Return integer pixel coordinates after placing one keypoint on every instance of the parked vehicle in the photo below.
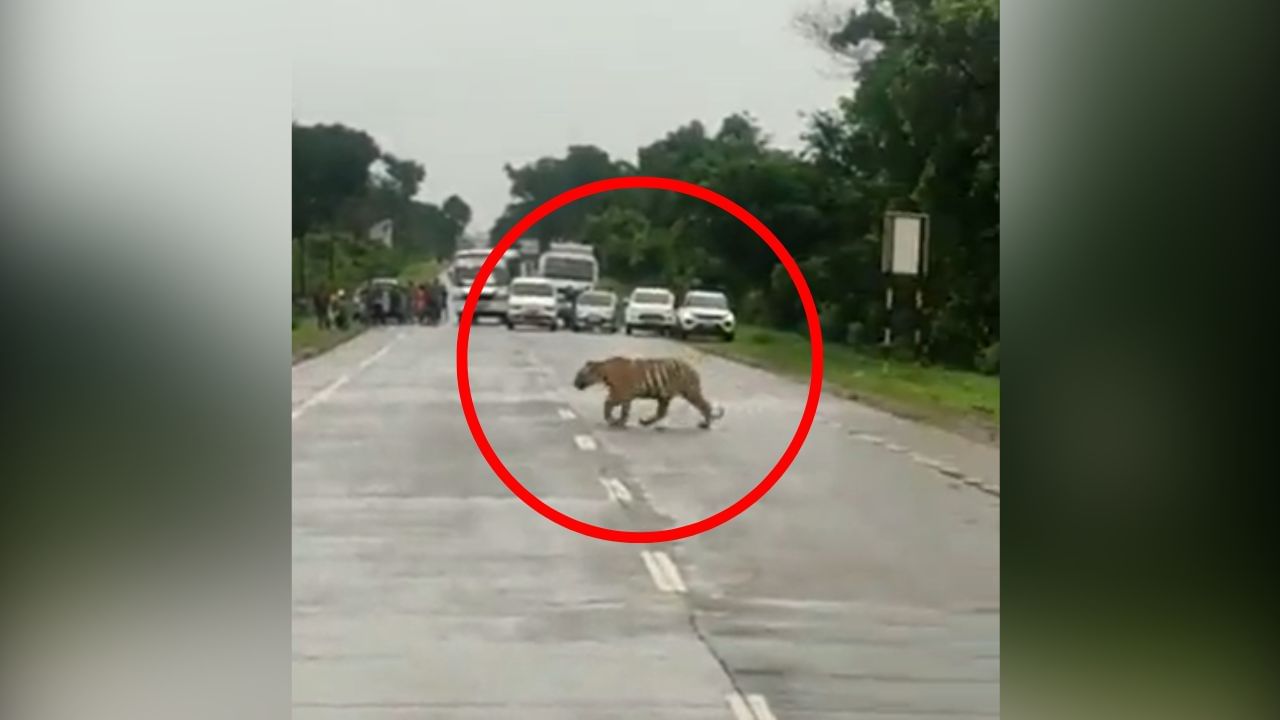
(532, 301)
(705, 312)
(386, 300)
(650, 308)
(595, 309)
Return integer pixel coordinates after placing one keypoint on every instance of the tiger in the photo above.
(660, 379)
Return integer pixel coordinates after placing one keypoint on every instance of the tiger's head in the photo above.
(589, 375)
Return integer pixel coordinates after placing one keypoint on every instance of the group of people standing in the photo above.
(381, 304)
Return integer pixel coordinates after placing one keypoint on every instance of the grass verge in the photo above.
(964, 402)
(310, 340)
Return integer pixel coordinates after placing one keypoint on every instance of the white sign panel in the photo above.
(382, 232)
(528, 246)
(904, 244)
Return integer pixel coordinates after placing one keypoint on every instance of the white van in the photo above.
(463, 271)
(573, 269)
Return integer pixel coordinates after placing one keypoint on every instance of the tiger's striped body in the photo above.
(660, 379)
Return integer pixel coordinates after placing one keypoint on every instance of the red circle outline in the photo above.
(815, 354)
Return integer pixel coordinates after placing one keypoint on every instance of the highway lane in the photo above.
(864, 585)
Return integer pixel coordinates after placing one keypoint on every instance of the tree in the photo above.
(457, 210)
(402, 177)
(543, 179)
(343, 183)
(922, 132)
(330, 166)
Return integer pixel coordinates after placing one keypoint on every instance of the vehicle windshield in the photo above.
(595, 299)
(717, 302)
(569, 268)
(528, 289)
(464, 274)
(652, 297)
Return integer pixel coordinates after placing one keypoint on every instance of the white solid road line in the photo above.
(739, 707)
(585, 442)
(319, 397)
(760, 707)
(566, 414)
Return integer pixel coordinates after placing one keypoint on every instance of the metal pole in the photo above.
(888, 311)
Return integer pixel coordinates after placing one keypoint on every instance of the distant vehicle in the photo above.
(705, 311)
(595, 309)
(462, 273)
(532, 301)
(572, 268)
(389, 301)
(651, 309)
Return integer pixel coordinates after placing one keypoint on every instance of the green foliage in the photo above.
(539, 181)
(988, 361)
(343, 184)
(919, 132)
(330, 165)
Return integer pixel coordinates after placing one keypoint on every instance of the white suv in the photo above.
(704, 311)
(651, 309)
(531, 301)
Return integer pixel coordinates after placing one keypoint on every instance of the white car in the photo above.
(651, 309)
(531, 301)
(595, 309)
(704, 311)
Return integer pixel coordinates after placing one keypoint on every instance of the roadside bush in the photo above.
(988, 360)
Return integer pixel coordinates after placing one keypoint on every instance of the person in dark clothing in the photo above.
(320, 304)
(440, 298)
(397, 304)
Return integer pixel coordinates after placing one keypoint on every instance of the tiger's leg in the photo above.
(661, 412)
(608, 411)
(626, 411)
(695, 398)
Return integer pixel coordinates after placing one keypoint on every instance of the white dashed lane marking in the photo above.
(319, 397)
(929, 462)
(566, 414)
(584, 442)
(760, 707)
(616, 490)
(328, 390)
(663, 571)
(739, 707)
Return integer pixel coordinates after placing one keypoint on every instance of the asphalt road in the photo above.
(865, 585)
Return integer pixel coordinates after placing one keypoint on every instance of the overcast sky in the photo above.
(464, 86)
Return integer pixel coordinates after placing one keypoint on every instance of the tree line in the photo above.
(918, 132)
(344, 184)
